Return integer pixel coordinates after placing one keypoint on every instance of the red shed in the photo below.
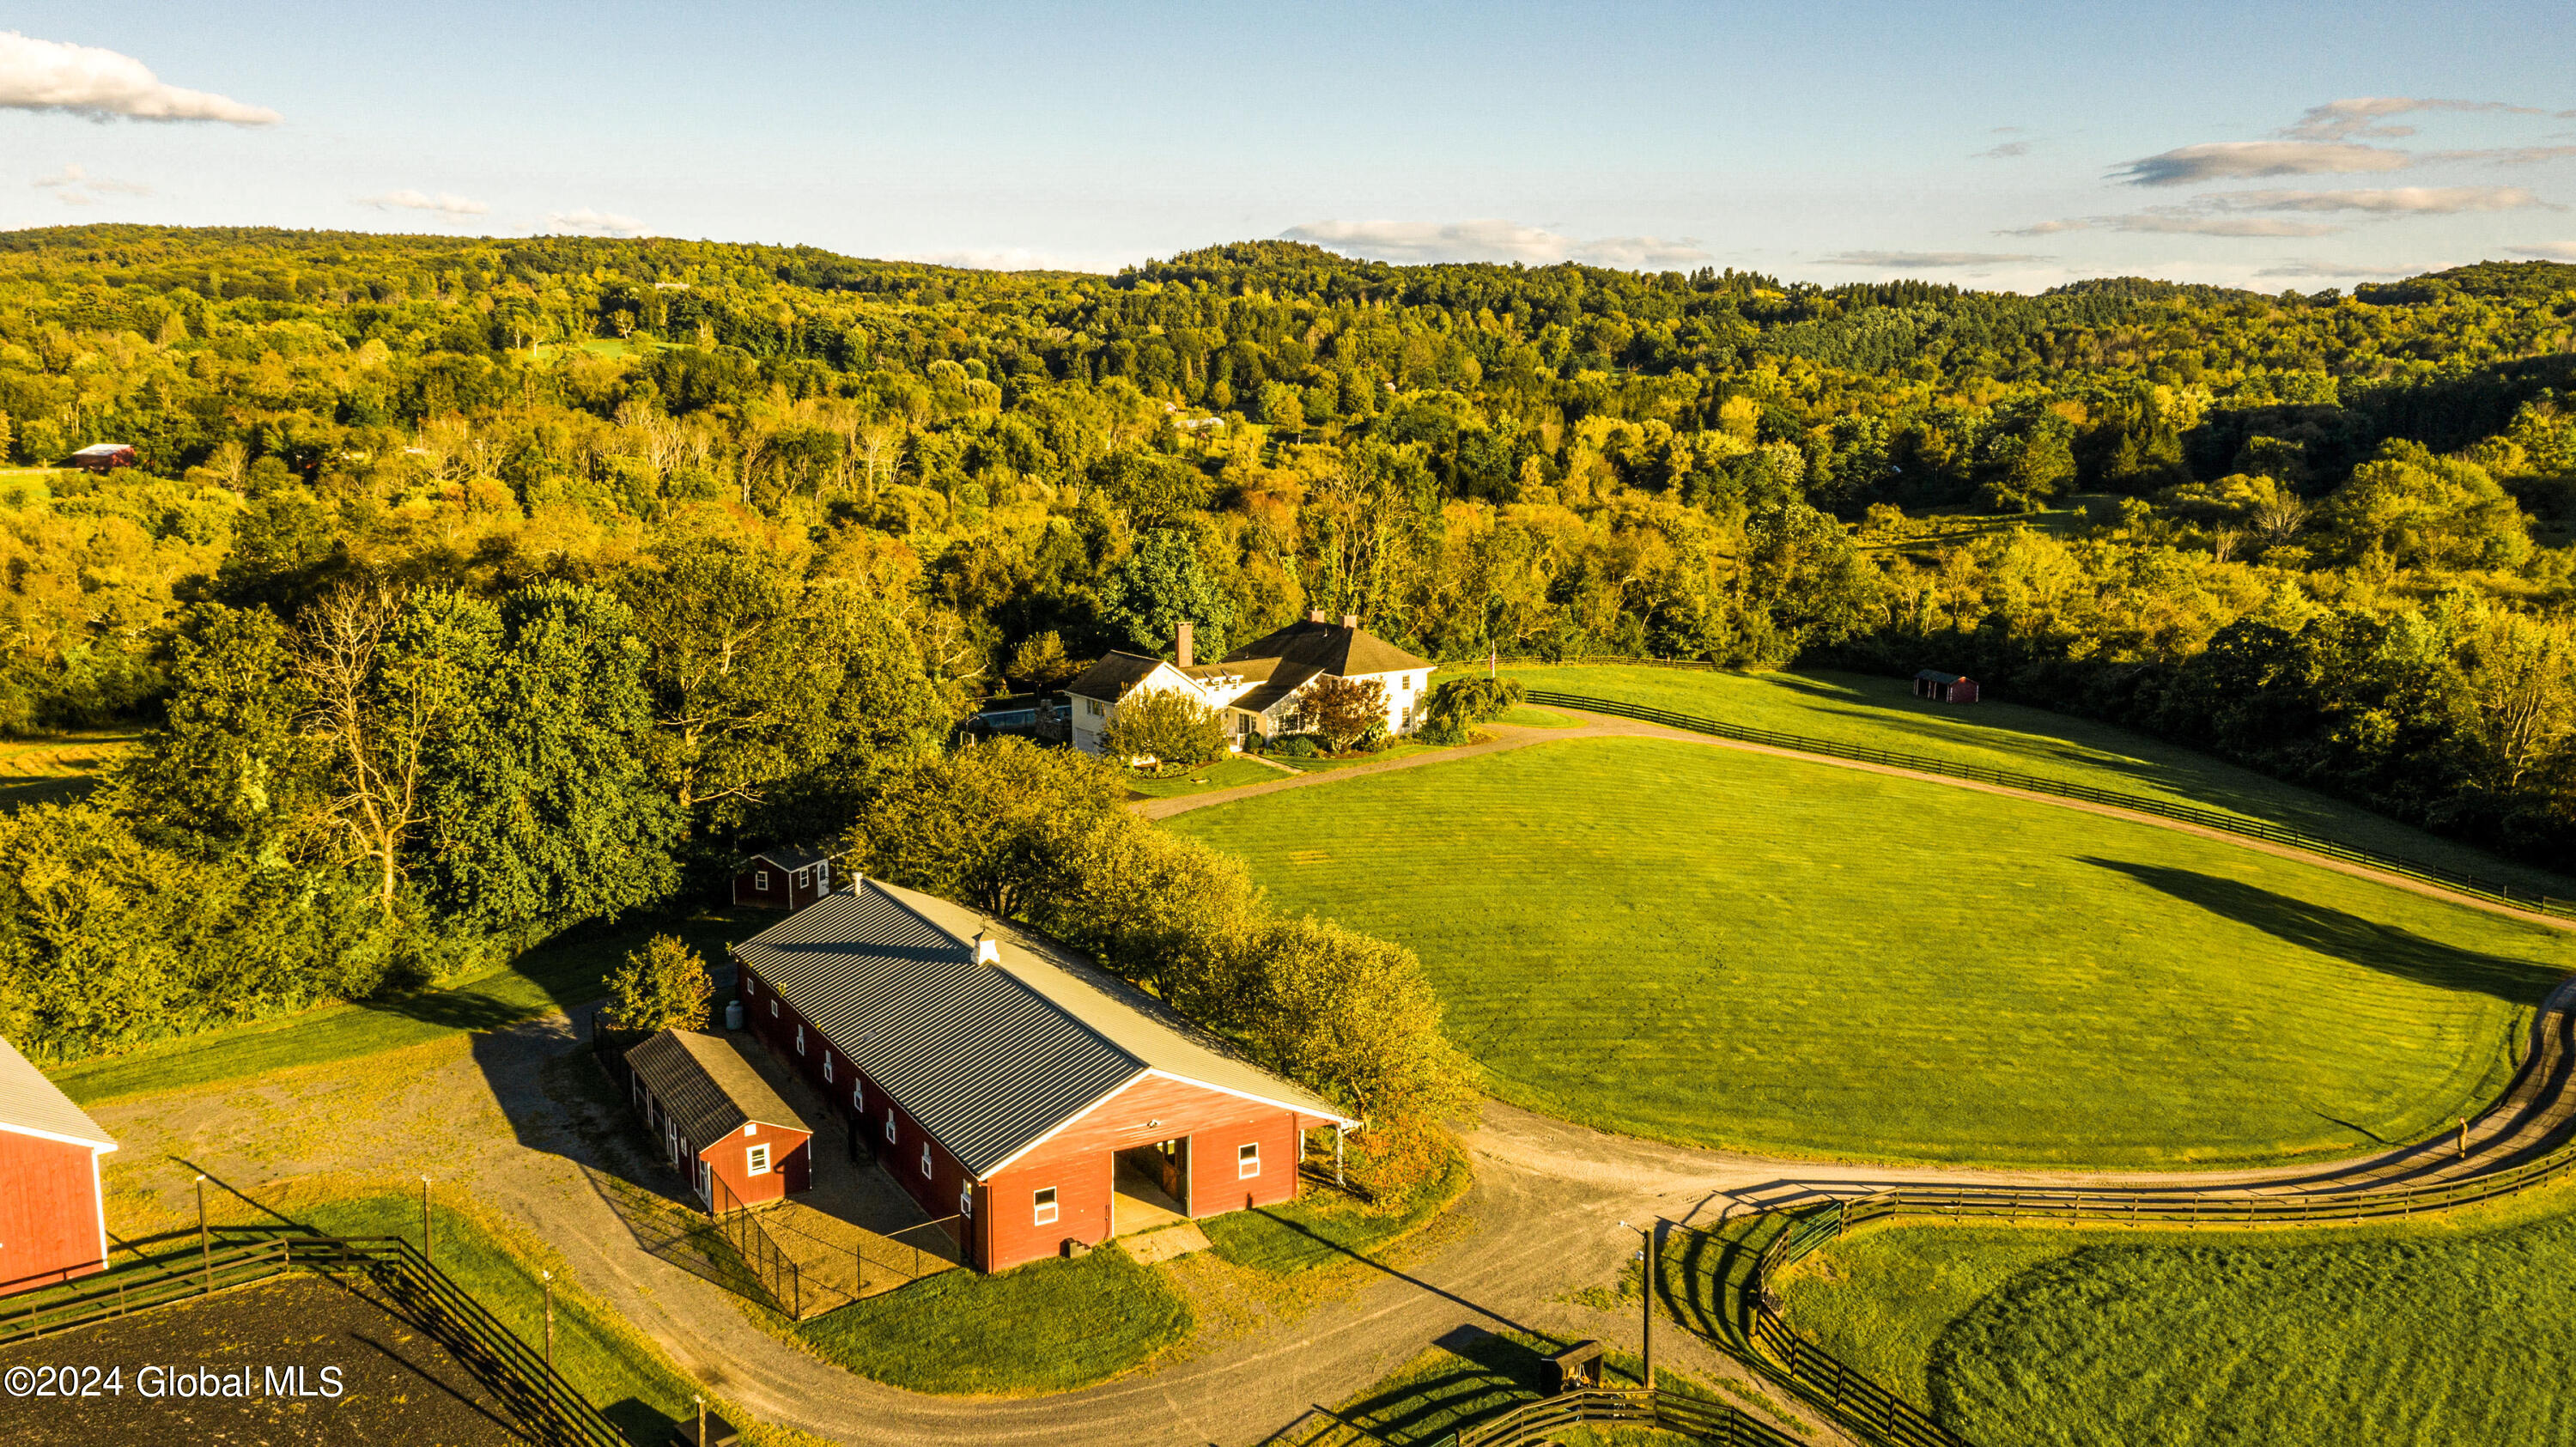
(783, 879)
(53, 1217)
(105, 456)
(1944, 687)
(1003, 1078)
(711, 1109)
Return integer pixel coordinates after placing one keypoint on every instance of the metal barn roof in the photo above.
(32, 1105)
(791, 858)
(705, 1084)
(989, 1059)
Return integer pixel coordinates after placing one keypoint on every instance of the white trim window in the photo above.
(859, 1097)
(966, 1199)
(827, 1067)
(889, 1125)
(804, 877)
(800, 1039)
(760, 880)
(1044, 1203)
(1247, 1160)
(750, 983)
(755, 1161)
(925, 1160)
(773, 1009)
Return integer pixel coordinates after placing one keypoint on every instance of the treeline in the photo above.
(605, 559)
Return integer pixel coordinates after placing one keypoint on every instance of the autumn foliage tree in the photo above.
(1343, 710)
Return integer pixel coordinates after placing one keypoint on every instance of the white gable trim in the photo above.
(1287, 1105)
(1088, 1111)
(46, 1135)
(1051, 1132)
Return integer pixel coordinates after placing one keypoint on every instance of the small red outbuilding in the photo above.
(783, 879)
(105, 456)
(53, 1219)
(739, 1143)
(1944, 687)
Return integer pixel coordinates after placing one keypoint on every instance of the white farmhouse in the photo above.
(1257, 689)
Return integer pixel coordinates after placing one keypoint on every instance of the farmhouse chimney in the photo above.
(1314, 615)
(988, 951)
(1182, 644)
(1350, 620)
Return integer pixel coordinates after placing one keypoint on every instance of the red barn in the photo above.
(783, 879)
(1944, 687)
(740, 1144)
(53, 1218)
(1002, 1078)
(105, 456)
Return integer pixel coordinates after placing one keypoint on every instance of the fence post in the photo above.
(205, 1245)
(428, 1246)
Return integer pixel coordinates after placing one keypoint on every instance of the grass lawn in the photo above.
(1344, 761)
(2420, 1334)
(1724, 948)
(559, 976)
(57, 770)
(1883, 713)
(1049, 1326)
(1231, 772)
(1536, 718)
(1324, 1228)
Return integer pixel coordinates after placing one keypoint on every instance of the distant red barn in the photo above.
(783, 879)
(1003, 1079)
(105, 456)
(53, 1219)
(1944, 687)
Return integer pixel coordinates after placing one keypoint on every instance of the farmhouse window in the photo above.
(889, 1124)
(1046, 1207)
(925, 1160)
(755, 1161)
(1247, 1162)
(760, 880)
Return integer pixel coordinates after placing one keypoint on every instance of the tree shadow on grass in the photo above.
(2344, 936)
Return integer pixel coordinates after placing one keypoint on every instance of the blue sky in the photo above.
(1999, 146)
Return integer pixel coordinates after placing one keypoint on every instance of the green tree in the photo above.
(663, 985)
(1167, 726)
(1040, 663)
(231, 769)
(1164, 583)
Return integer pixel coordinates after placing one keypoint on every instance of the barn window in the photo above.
(760, 879)
(750, 983)
(1046, 1207)
(1247, 1162)
(966, 1199)
(773, 1009)
(889, 1123)
(827, 1067)
(925, 1160)
(755, 1162)
(859, 1097)
(800, 1039)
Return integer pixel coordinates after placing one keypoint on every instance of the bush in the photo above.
(662, 986)
(1466, 702)
(1295, 746)
(1168, 727)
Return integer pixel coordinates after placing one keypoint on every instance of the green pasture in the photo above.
(1883, 713)
(1049, 1326)
(2418, 1334)
(559, 976)
(58, 770)
(1726, 948)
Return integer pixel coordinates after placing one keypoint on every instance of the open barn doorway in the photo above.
(1150, 1186)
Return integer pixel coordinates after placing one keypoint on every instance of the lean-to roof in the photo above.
(706, 1085)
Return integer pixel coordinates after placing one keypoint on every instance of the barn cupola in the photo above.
(988, 950)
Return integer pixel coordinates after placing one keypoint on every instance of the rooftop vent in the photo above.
(988, 950)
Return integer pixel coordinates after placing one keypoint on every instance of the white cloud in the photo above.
(2334, 268)
(49, 75)
(2179, 221)
(1927, 260)
(75, 186)
(442, 203)
(1492, 240)
(2504, 155)
(2547, 251)
(2391, 201)
(1005, 258)
(2235, 160)
(2366, 116)
(2004, 152)
(586, 222)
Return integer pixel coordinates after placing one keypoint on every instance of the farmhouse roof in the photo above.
(1282, 686)
(989, 1059)
(32, 1105)
(706, 1084)
(1934, 675)
(104, 449)
(1330, 648)
(792, 857)
(1109, 679)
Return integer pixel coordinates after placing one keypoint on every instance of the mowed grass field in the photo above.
(1883, 713)
(58, 770)
(1720, 947)
(2426, 1334)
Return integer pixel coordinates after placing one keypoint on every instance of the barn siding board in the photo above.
(49, 1212)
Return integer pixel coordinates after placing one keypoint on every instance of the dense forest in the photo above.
(477, 587)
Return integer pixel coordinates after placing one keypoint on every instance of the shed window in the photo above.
(1046, 1207)
(755, 1162)
(889, 1123)
(804, 877)
(760, 879)
(750, 983)
(773, 1009)
(1247, 1162)
(925, 1160)
(823, 874)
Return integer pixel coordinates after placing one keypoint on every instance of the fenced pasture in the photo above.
(1728, 948)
